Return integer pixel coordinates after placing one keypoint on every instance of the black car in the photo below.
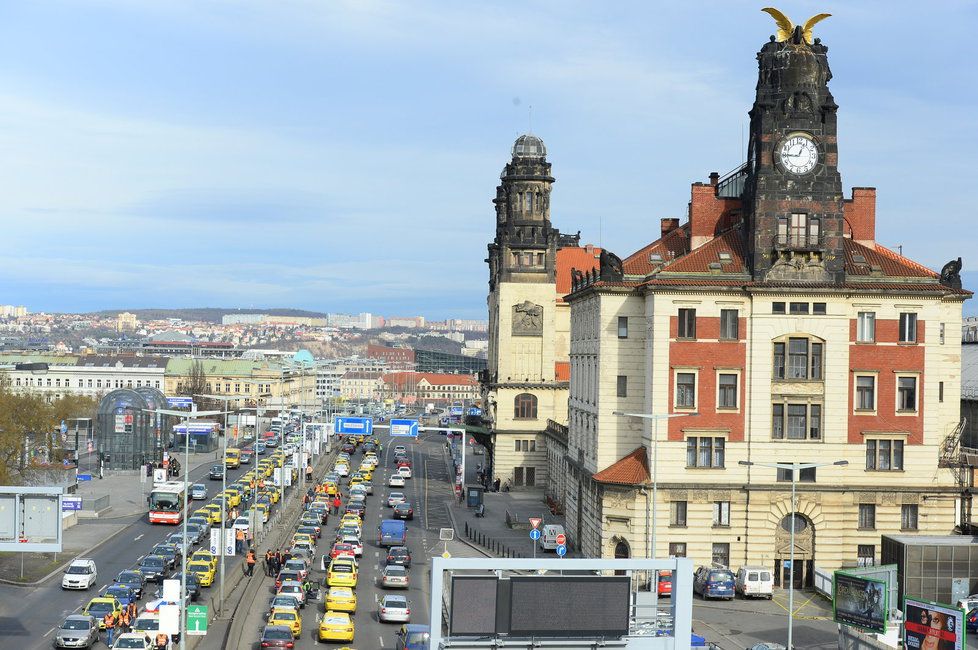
(216, 473)
(357, 508)
(170, 552)
(132, 579)
(399, 555)
(193, 585)
(153, 567)
(348, 449)
(403, 510)
(246, 457)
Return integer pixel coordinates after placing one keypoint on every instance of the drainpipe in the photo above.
(648, 405)
(748, 430)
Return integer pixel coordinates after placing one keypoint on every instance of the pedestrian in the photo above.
(278, 561)
(123, 621)
(133, 611)
(161, 641)
(109, 628)
(251, 538)
(239, 540)
(269, 558)
(250, 562)
(336, 504)
(286, 556)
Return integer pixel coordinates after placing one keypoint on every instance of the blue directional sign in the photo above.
(456, 410)
(535, 534)
(353, 426)
(404, 428)
(562, 550)
(180, 402)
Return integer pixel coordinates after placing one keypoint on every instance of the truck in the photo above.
(392, 532)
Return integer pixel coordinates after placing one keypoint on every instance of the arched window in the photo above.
(622, 552)
(525, 407)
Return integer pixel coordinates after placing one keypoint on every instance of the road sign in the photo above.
(196, 619)
(535, 522)
(404, 428)
(535, 534)
(446, 555)
(69, 504)
(353, 425)
(446, 534)
(561, 550)
(561, 539)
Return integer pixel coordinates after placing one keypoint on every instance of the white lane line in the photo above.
(381, 641)
(49, 632)
(138, 538)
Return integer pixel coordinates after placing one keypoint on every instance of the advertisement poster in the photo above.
(930, 626)
(860, 602)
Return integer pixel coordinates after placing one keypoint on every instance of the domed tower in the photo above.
(793, 193)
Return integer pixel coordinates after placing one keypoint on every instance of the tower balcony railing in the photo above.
(799, 241)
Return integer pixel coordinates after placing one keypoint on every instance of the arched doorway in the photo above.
(622, 552)
(803, 571)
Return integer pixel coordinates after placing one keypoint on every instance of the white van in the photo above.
(754, 582)
(548, 536)
(80, 574)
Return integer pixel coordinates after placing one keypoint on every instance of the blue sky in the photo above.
(341, 155)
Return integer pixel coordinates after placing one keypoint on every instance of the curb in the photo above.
(460, 536)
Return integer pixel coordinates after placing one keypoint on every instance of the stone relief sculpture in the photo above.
(527, 319)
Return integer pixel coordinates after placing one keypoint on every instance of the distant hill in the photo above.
(208, 314)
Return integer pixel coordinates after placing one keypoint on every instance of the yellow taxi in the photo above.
(332, 489)
(204, 571)
(273, 495)
(232, 496)
(341, 599)
(263, 509)
(203, 555)
(336, 626)
(303, 537)
(351, 519)
(342, 573)
(366, 474)
(368, 464)
(99, 607)
(288, 617)
(356, 480)
(208, 515)
(215, 510)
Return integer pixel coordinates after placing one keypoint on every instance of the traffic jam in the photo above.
(124, 612)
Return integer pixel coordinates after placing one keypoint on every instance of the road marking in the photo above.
(49, 632)
(381, 641)
(138, 538)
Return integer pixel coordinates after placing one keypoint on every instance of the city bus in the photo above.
(167, 503)
(232, 458)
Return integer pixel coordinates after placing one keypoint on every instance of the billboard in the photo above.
(860, 602)
(569, 606)
(930, 626)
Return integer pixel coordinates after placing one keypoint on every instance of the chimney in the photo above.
(714, 179)
(705, 211)
(589, 248)
(668, 225)
(860, 212)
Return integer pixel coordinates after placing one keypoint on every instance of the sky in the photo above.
(342, 155)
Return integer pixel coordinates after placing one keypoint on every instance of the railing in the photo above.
(731, 185)
(489, 543)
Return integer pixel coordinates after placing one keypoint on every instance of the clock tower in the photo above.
(793, 193)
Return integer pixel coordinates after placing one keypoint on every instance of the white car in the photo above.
(241, 523)
(342, 470)
(400, 448)
(394, 498)
(394, 609)
(969, 603)
(147, 624)
(396, 480)
(404, 471)
(133, 640)
(80, 574)
(355, 542)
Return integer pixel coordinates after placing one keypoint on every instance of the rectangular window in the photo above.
(677, 513)
(622, 386)
(721, 553)
(519, 445)
(805, 475)
(777, 307)
(866, 555)
(517, 476)
(685, 389)
(623, 327)
(815, 421)
(866, 327)
(777, 421)
(779, 360)
(884, 455)
(531, 476)
(908, 327)
(867, 516)
(705, 451)
(908, 517)
(721, 513)
(677, 549)
(797, 422)
(940, 333)
(940, 391)
(532, 445)
(797, 358)
(818, 308)
(816, 366)
(907, 394)
(866, 393)
(687, 323)
(729, 324)
(728, 391)
(799, 308)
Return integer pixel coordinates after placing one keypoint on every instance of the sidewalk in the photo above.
(492, 532)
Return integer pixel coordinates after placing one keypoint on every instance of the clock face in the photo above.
(798, 154)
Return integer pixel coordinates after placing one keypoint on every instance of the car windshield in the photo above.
(395, 571)
(395, 601)
(152, 562)
(164, 501)
(131, 642)
(146, 624)
(78, 570)
(284, 601)
(277, 633)
(100, 609)
(342, 568)
(721, 576)
(75, 624)
(128, 576)
(334, 620)
(285, 616)
(117, 591)
(417, 637)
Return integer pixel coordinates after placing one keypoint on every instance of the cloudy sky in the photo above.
(342, 155)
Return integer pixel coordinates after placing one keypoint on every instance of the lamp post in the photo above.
(187, 418)
(654, 451)
(794, 468)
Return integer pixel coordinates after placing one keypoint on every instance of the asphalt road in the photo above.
(427, 491)
(31, 615)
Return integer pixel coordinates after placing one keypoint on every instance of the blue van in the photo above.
(392, 532)
(714, 583)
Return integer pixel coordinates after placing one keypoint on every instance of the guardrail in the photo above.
(490, 543)
(96, 503)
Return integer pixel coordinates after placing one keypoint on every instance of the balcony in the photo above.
(799, 241)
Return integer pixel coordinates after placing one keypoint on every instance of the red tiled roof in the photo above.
(673, 245)
(891, 264)
(433, 378)
(562, 370)
(633, 469)
(700, 259)
(574, 257)
(852, 286)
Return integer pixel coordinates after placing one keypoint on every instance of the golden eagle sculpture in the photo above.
(786, 28)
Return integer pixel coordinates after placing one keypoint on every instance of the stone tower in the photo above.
(793, 193)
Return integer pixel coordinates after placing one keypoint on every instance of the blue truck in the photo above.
(392, 532)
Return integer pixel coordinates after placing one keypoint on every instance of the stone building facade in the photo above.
(772, 328)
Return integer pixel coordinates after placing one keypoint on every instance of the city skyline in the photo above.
(208, 154)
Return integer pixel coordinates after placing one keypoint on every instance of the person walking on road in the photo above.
(161, 641)
(336, 504)
(109, 628)
(250, 562)
(239, 540)
(269, 558)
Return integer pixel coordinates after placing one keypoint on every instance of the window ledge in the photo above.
(864, 411)
(886, 471)
(908, 343)
(866, 529)
(677, 526)
(728, 409)
(910, 530)
(858, 342)
(685, 338)
(703, 467)
(721, 525)
(906, 412)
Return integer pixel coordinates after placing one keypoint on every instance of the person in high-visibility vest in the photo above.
(239, 538)
(109, 627)
(123, 621)
(250, 561)
(161, 641)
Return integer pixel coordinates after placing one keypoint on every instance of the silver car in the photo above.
(394, 609)
(77, 631)
(394, 576)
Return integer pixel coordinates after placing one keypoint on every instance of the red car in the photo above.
(404, 462)
(286, 574)
(665, 583)
(341, 549)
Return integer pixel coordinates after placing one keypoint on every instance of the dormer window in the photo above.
(725, 256)
(655, 258)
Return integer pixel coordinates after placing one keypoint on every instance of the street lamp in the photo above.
(794, 468)
(654, 451)
(187, 418)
